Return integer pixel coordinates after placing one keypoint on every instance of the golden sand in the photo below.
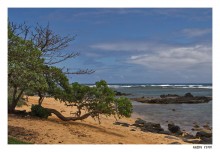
(88, 131)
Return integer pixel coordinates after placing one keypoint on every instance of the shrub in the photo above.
(39, 111)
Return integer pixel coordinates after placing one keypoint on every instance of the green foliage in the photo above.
(21, 102)
(98, 100)
(12, 140)
(56, 81)
(25, 67)
(29, 73)
(39, 111)
(124, 106)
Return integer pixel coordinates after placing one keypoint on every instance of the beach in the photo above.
(55, 131)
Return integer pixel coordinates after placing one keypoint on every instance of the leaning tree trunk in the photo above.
(60, 116)
(41, 98)
(11, 108)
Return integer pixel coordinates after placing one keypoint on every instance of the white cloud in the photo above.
(129, 46)
(196, 32)
(194, 58)
(175, 58)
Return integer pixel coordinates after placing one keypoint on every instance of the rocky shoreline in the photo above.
(202, 136)
(174, 99)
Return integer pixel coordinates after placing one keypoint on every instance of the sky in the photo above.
(132, 45)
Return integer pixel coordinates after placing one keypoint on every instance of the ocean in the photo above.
(184, 115)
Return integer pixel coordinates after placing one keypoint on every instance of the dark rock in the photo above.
(165, 132)
(169, 96)
(205, 140)
(125, 125)
(140, 121)
(173, 128)
(152, 127)
(188, 95)
(173, 109)
(174, 99)
(207, 127)
(196, 126)
(187, 135)
(121, 123)
(175, 143)
(203, 134)
(117, 93)
(117, 123)
(195, 141)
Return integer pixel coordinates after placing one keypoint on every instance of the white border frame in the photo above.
(5, 4)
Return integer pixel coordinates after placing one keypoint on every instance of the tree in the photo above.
(56, 81)
(30, 59)
(24, 68)
(50, 46)
(93, 101)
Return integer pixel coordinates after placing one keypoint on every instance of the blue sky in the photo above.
(141, 45)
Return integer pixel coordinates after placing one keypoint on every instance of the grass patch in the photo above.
(12, 140)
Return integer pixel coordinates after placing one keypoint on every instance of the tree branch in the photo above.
(60, 116)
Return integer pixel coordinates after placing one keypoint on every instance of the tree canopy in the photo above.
(24, 67)
(30, 70)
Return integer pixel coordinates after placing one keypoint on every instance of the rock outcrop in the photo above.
(174, 99)
(148, 126)
(174, 128)
(117, 93)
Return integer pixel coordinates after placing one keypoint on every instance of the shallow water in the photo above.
(184, 115)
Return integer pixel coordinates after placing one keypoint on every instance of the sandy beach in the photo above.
(88, 131)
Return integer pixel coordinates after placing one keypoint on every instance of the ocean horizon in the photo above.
(184, 115)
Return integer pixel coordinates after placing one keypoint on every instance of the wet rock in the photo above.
(148, 126)
(117, 93)
(174, 99)
(207, 127)
(165, 132)
(139, 123)
(203, 134)
(169, 96)
(173, 128)
(205, 140)
(152, 127)
(188, 95)
(196, 126)
(186, 135)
